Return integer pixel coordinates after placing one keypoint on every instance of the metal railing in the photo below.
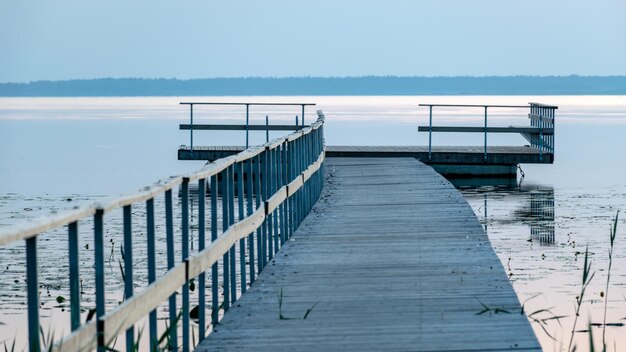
(190, 127)
(266, 192)
(540, 134)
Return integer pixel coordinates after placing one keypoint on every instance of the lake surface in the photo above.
(56, 153)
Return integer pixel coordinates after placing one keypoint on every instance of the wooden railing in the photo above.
(276, 185)
(540, 133)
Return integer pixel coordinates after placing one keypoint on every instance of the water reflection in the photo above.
(542, 216)
(531, 205)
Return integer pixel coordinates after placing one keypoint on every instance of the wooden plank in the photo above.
(33, 228)
(83, 339)
(472, 129)
(391, 258)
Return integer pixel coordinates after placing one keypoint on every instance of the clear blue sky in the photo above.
(51, 40)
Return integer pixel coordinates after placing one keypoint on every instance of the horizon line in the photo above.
(313, 77)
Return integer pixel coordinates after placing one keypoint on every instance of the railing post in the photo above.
(128, 269)
(33, 294)
(74, 275)
(226, 257)
(281, 182)
(169, 236)
(214, 274)
(290, 200)
(249, 211)
(231, 221)
(268, 192)
(294, 198)
(201, 246)
(267, 128)
(430, 133)
(242, 241)
(191, 127)
(264, 228)
(99, 264)
(274, 180)
(553, 143)
(247, 124)
(185, 257)
(302, 115)
(257, 203)
(485, 155)
(298, 173)
(541, 112)
(151, 268)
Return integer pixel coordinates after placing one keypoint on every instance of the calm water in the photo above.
(59, 152)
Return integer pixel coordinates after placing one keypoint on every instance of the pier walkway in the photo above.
(390, 258)
(290, 250)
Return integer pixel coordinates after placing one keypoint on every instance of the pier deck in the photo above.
(443, 154)
(391, 258)
(500, 161)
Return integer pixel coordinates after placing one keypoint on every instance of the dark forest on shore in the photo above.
(292, 86)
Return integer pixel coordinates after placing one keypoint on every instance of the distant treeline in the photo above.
(367, 85)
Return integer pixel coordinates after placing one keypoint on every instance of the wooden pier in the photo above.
(369, 249)
(465, 161)
(391, 258)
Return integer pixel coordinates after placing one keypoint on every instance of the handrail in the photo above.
(247, 105)
(251, 104)
(282, 176)
(541, 116)
(475, 105)
(543, 105)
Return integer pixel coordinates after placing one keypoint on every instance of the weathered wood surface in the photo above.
(391, 258)
(511, 155)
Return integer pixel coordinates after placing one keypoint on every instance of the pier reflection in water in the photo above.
(530, 205)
